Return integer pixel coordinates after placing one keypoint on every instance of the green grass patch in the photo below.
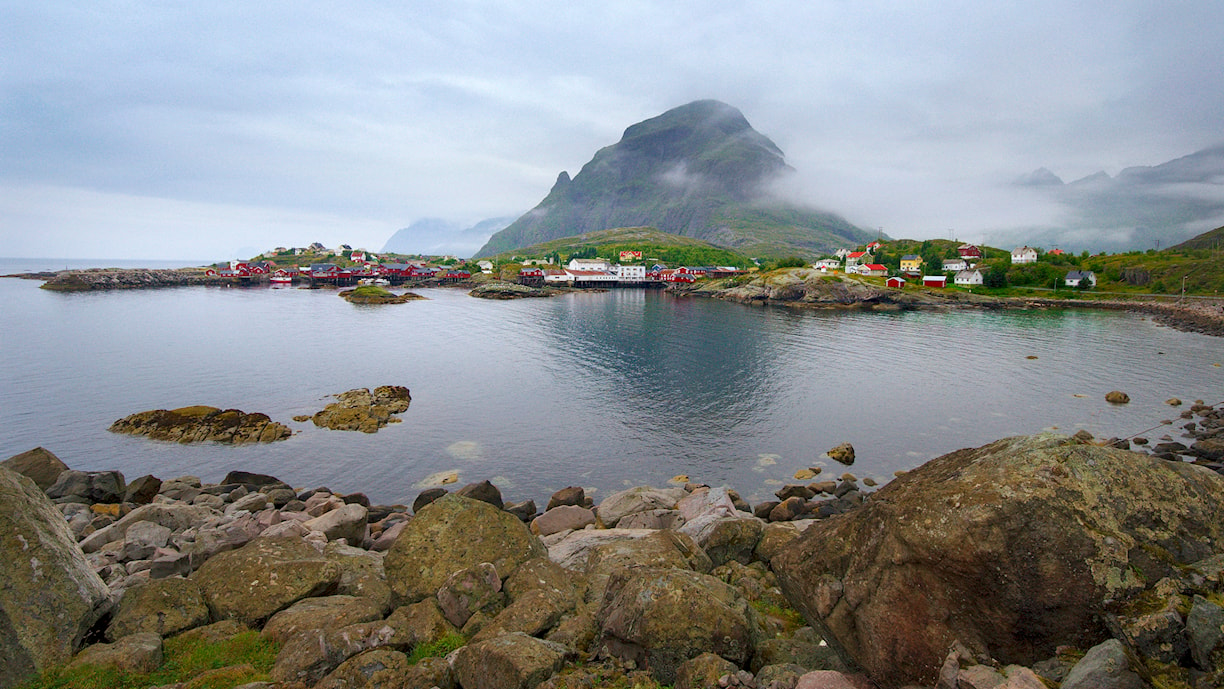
(246, 657)
(440, 648)
(790, 617)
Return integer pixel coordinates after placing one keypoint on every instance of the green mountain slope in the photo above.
(655, 246)
(699, 170)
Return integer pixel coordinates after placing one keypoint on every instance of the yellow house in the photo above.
(911, 263)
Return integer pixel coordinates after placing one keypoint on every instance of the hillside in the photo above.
(1212, 239)
(654, 245)
(699, 170)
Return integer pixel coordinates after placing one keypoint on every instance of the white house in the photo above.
(589, 264)
(631, 273)
(486, 267)
(968, 278)
(1024, 254)
(1076, 277)
(827, 264)
(955, 265)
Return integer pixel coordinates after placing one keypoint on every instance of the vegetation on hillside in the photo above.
(656, 247)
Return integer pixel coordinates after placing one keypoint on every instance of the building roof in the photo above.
(911, 257)
(875, 266)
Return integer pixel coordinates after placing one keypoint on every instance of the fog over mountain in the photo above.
(1141, 207)
(439, 237)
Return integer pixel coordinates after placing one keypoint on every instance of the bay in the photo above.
(602, 390)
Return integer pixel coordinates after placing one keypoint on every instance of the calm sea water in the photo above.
(599, 390)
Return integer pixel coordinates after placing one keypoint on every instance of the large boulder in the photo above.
(200, 424)
(512, 661)
(659, 618)
(90, 487)
(1012, 549)
(163, 606)
(637, 499)
(450, 534)
(264, 577)
(49, 595)
(40, 465)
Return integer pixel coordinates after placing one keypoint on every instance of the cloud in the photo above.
(913, 117)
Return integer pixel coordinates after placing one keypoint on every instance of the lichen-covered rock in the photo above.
(381, 667)
(542, 573)
(347, 522)
(660, 618)
(657, 549)
(90, 487)
(140, 652)
(1013, 549)
(49, 594)
(362, 573)
(361, 410)
(1103, 666)
(471, 590)
(703, 671)
(163, 606)
(638, 499)
(310, 655)
(264, 577)
(313, 614)
(40, 465)
(450, 534)
(534, 614)
(419, 623)
(199, 424)
(512, 661)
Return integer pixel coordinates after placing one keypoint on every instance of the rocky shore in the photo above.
(1031, 562)
(807, 288)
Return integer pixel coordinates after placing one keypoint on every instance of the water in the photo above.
(600, 390)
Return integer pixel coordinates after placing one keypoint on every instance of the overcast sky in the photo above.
(206, 130)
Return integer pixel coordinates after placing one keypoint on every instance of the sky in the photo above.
(176, 130)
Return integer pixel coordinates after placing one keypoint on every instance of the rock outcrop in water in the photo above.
(362, 410)
(200, 424)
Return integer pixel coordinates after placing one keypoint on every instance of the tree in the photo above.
(994, 278)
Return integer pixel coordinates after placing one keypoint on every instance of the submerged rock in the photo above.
(361, 410)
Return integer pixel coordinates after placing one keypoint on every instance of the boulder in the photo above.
(264, 577)
(427, 496)
(659, 618)
(381, 667)
(251, 480)
(362, 573)
(142, 539)
(483, 491)
(722, 531)
(658, 549)
(1205, 633)
(652, 519)
(142, 490)
(471, 590)
(843, 453)
(88, 486)
(135, 653)
(534, 614)
(49, 595)
(703, 671)
(1013, 549)
(162, 606)
(562, 518)
(639, 499)
(39, 465)
(512, 661)
(450, 534)
(544, 574)
(824, 679)
(574, 549)
(419, 623)
(347, 522)
(310, 655)
(1104, 666)
(1117, 397)
(314, 614)
(570, 495)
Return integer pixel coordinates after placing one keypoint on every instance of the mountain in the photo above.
(1141, 208)
(699, 170)
(438, 237)
(1212, 239)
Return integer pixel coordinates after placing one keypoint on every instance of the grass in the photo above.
(243, 658)
(439, 648)
(790, 617)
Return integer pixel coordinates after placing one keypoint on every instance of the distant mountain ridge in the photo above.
(1141, 208)
(439, 237)
(699, 170)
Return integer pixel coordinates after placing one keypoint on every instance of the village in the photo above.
(967, 270)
